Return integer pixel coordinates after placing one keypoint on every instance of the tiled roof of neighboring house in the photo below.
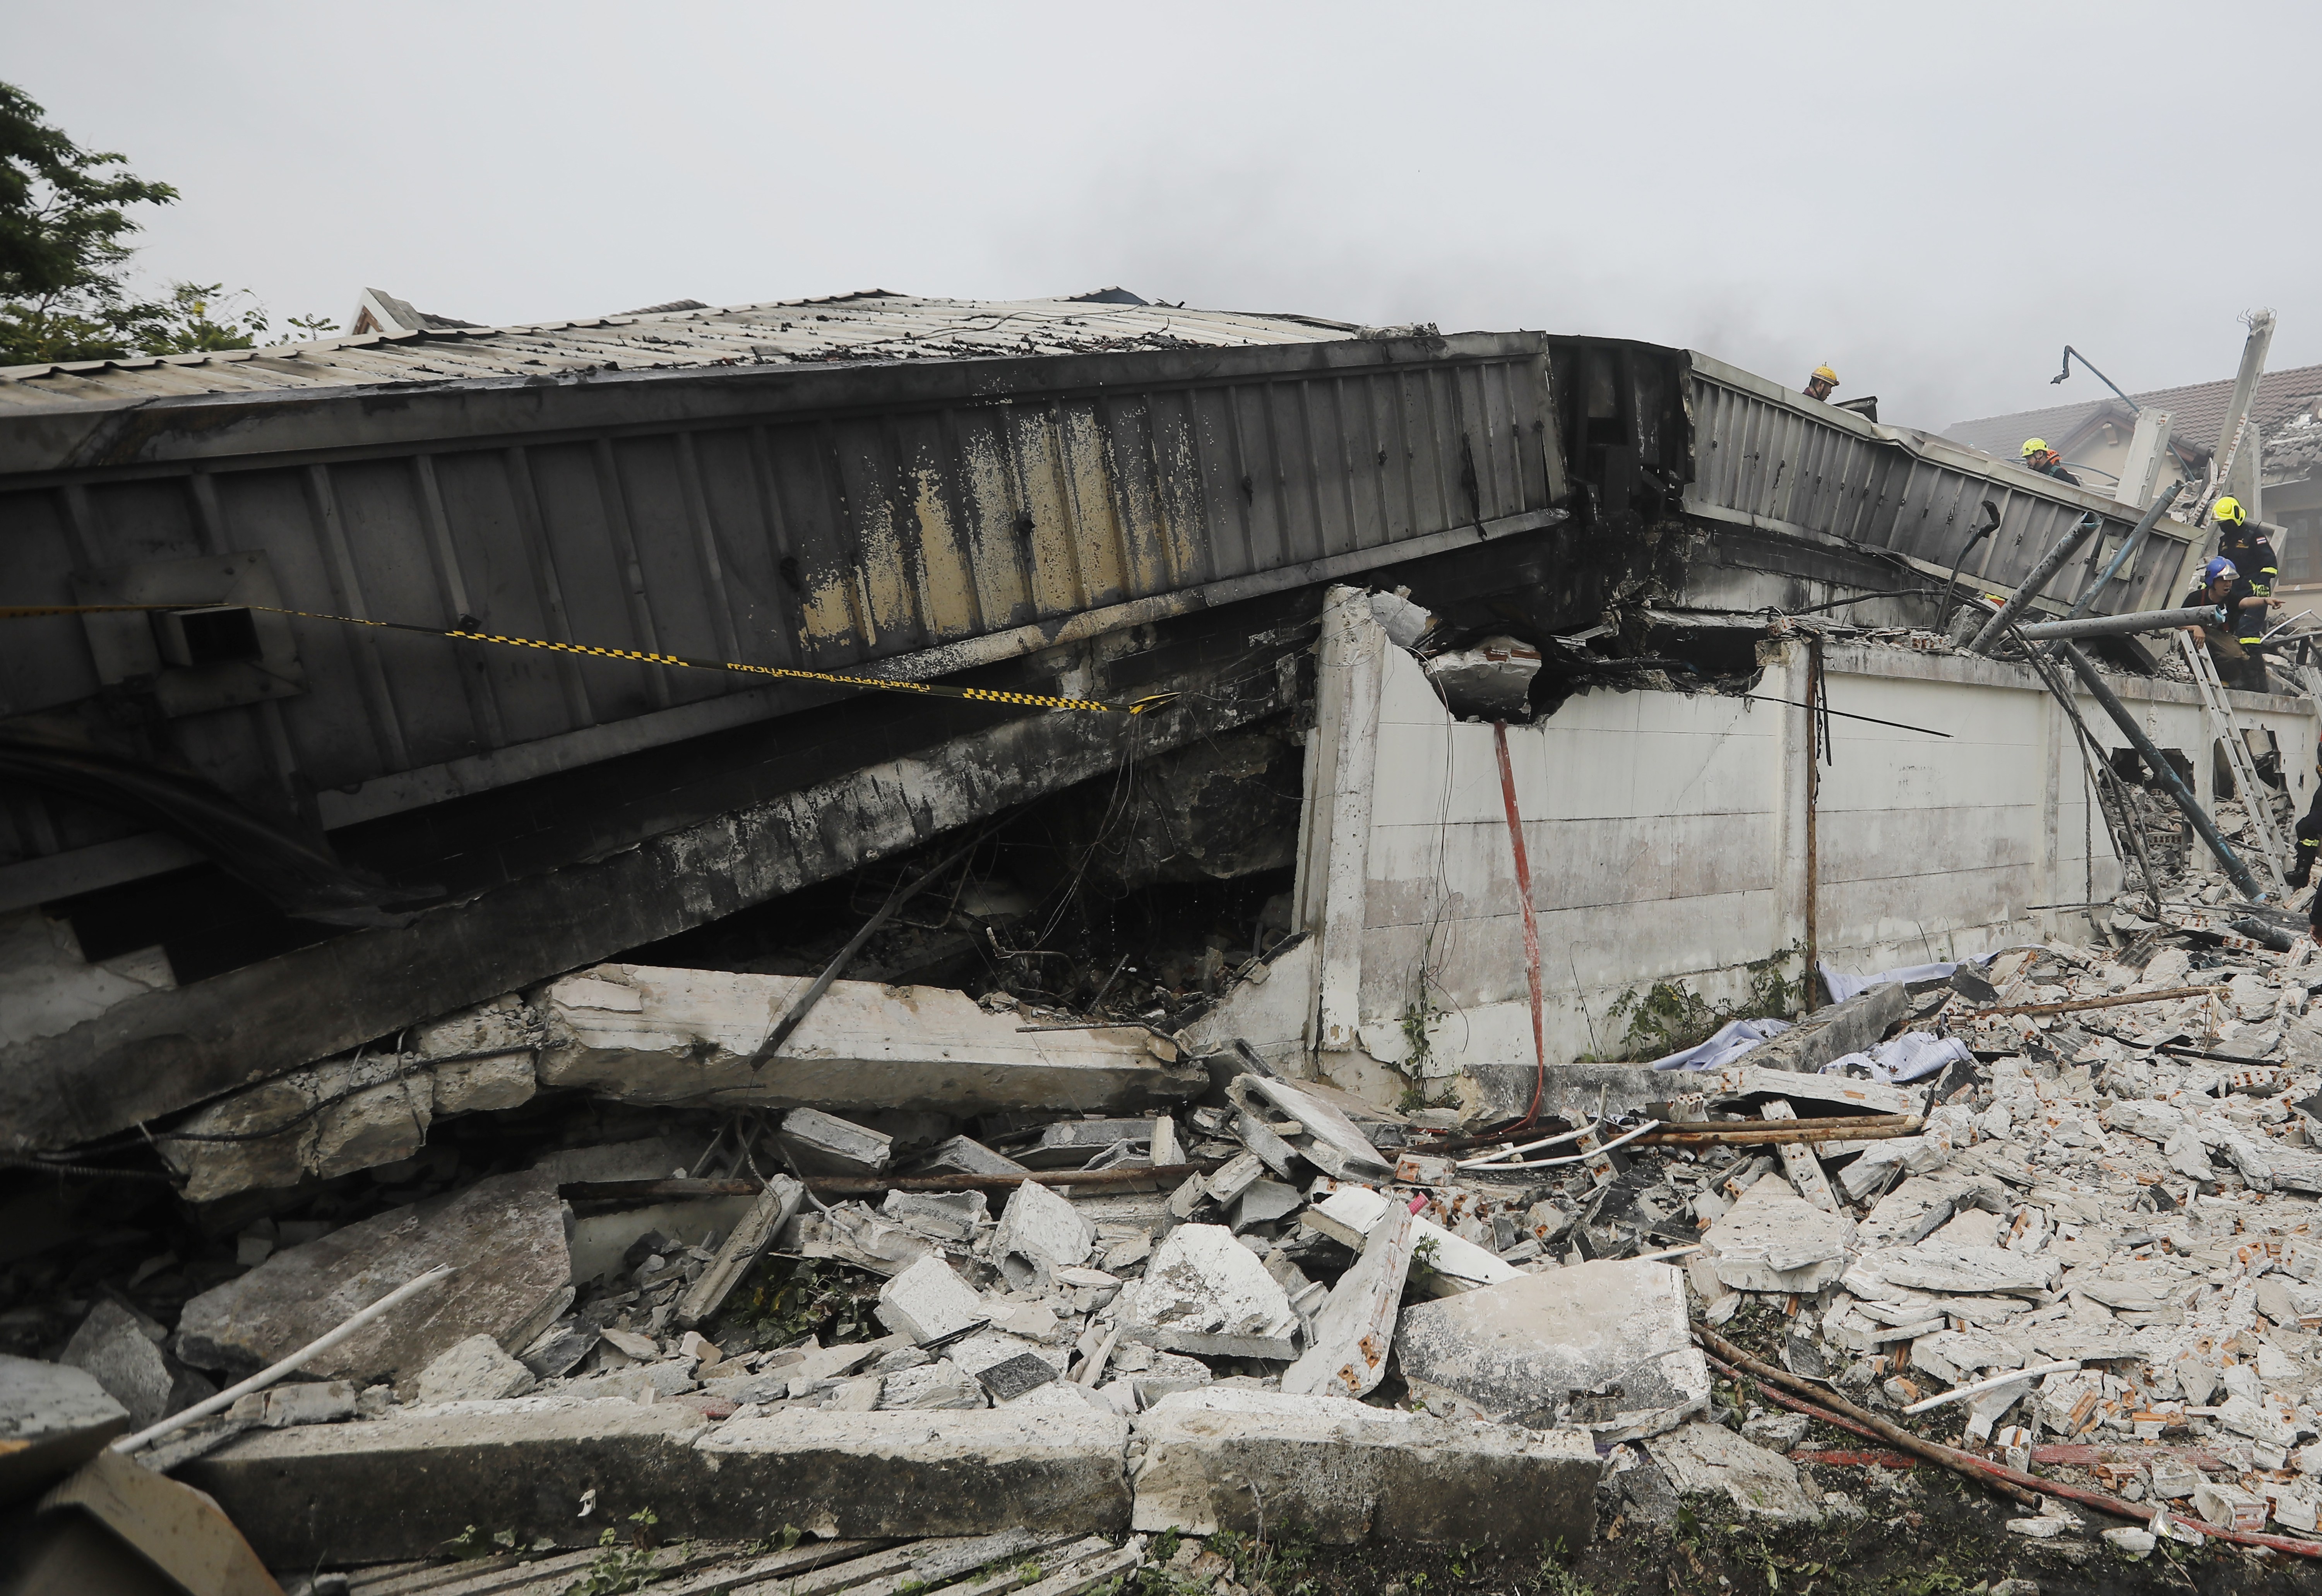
(869, 326)
(2197, 412)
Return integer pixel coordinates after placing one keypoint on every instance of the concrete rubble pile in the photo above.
(2103, 1233)
(905, 1273)
(914, 1323)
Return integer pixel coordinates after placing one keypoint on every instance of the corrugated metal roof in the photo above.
(870, 327)
(2197, 412)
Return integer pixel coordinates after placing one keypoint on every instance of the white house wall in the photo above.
(1665, 834)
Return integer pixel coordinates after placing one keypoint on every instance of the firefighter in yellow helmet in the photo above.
(2040, 458)
(1821, 384)
(2252, 553)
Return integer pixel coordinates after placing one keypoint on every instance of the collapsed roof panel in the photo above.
(930, 518)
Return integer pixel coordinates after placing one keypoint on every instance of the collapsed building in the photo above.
(655, 771)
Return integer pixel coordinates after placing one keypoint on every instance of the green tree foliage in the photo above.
(65, 246)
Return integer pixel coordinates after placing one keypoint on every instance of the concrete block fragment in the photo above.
(383, 1124)
(1203, 1291)
(965, 1155)
(1169, 1371)
(1351, 1335)
(1265, 1202)
(772, 1209)
(1881, 1163)
(1326, 1126)
(53, 1418)
(644, 1034)
(941, 1384)
(505, 1236)
(825, 1145)
(1603, 1346)
(1164, 1146)
(470, 1086)
(1444, 1264)
(1230, 1179)
(1070, 1143)
(928, 1302)
(1040, 1232)
(982, 1349)
(112, 1346)
(1188, 1198)
(1703, 1459)
(946, 1216)
(2227, 1506)
(1347, 1471)
(829, 1363)
(472, 1371)
(309, 1401)
(217, 1169)
(1276, 1153)
(1035, 1321)
(1773, 1240)
(1492, 680)
(115, 1526)
(400, 1488)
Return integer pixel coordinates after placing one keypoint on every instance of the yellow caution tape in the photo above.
(877, 683)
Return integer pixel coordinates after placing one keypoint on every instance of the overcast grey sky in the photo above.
(1935, 198)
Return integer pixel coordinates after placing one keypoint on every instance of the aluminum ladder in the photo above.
(2257, 797)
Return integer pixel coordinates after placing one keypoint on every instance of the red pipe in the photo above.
(1531, 922)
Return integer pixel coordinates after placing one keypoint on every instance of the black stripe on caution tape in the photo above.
(882, 684)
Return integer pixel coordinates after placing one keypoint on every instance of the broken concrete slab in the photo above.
(1750, 1086)
(1349, 1337)
(1970, 1270)
(1346, 1472)
(1773, 1240)
(504, 1235)
(112, 1345)
(1603, 1346)
(644, 1034)
(400, 1488)
(928, 1302)
(1833, 1032)
(1490, 681)
(53, 1419)
(825, 1145)
(1203, 1291)
(473, 1370)
(1704, 1459)
(1265, 1202)
(1039, 1233)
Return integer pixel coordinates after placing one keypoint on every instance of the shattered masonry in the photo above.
(1381, 1088)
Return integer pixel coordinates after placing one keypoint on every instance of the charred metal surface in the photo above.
(1216, 809)
(908, 512)
(1625, 432)
(156, 1054)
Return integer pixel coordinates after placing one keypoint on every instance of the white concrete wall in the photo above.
(1665, 834)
